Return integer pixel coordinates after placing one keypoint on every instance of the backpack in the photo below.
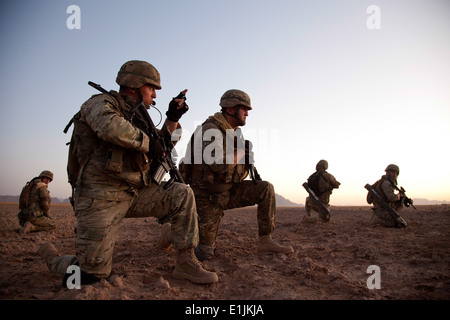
(76, 157)
(375, 186)
(24, 199)
(74, 163)
(313, 182)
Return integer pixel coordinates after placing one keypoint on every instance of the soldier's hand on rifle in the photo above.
(177, 107)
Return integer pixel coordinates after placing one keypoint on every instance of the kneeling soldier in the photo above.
(117, 157)
(218, 183)
(385, 188)
(322, 183)
(34, 204)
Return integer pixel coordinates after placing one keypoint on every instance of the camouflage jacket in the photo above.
(213, 165)
(112, 148)
(37, 200)
(326, 183)
(387, 190)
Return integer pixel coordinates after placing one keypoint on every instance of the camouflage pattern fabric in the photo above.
(220, 186)
(37, 211)
(326, 183)
(310, 206)
(210, 207)
(394, 200)
(105, 193)
(98, 223)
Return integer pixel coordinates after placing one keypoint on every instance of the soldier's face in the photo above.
(393, 174)
(46, 180)
(241, 115)
(148, 94)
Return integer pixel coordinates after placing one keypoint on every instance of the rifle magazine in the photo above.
(160, 172)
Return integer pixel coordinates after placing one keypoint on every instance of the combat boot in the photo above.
(189, 268)
(48, 252)
(267, 246)
(27, 228)
(400, 223)
(166, 238)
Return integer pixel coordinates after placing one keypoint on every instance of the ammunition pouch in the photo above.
(114, 161)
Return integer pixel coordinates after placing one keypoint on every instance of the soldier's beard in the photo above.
(240, 122)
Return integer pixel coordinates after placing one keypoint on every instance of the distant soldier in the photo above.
(322, 183)
(34, 204)
(117, 158)
(218, 183)
(386, 188)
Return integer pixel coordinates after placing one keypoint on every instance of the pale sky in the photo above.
(323, 84)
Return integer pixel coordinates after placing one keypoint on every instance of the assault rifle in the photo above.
(251, 167)
(165, 163)
(254, 173)
(408, 202)
(316, 199)
(380, 201)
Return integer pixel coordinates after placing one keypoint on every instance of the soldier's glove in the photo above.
(175, 110)
(249, 156)
(407, 202)
(156, 151)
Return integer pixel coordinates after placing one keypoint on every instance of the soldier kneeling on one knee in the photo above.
(34, 204)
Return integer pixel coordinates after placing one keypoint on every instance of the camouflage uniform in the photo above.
(34, 205)
(384, 187)
(327, 182)
(220, 185)
(211, 206)
(115, 183)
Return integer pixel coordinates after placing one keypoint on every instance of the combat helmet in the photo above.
(235, 97)
(393, 167)
(322, 164)
(135, 74)
(46, 174)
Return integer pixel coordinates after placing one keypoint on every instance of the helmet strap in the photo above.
(236, 111)
(132, 93)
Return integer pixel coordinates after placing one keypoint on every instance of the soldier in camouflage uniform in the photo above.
(115, 181)
(322, 183)
(217, 177)
(386, 187)
(34, 204)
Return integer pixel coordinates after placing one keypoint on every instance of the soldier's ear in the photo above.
(230, 111)
(127, 90)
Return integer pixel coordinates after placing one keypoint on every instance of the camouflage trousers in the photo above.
(210, 207)
(98, 222)
(310, 205)
(387, 219)
(39, 221)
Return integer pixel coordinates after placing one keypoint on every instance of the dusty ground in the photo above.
(329, 262)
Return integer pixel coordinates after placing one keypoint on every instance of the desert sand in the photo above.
(330, 260)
